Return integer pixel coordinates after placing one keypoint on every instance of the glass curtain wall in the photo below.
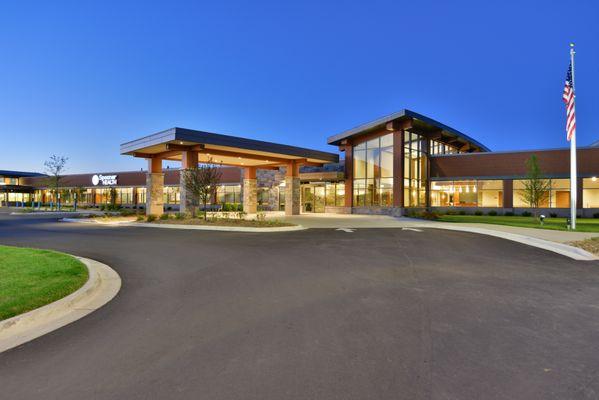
(414, 167)
(442, 148)
(373, 172)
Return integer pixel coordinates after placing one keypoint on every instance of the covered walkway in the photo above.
(192, 147)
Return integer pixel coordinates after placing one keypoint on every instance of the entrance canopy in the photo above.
(223, 149)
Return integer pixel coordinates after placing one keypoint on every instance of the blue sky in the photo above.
(78, 78)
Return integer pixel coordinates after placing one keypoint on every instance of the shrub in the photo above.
(508, 214)
(151, 218)
(261, 216)
(140, 218)
(164, 217)
(451, 212)
(526, 214)
(430, 215)
(492, 213)
(179, 215)
(462, 212)
(240, 214)
(478, 212)
(596, 215)
(553, 215)
(226, 207)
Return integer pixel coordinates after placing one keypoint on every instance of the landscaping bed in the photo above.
(31, 278)
(252, 223)
(590, 245)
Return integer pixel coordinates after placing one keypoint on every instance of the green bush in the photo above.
(151, 218)
(596, 215)
(526, 214)
(140, 218)
(164, 217)
(451, 212)
(492, 213)
(226, 207)
(179, 215)
(553, 215)
(462, 212)
(478, 212)
(508, 214)
(239, 207)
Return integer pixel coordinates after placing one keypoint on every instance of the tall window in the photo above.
(414, 167)
(480, 193)
(373, 172)
(228, 194)
(558, 196)
(590, 192)
(335, 194)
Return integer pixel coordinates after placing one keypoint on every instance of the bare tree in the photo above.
(55, 166)
(536, 186)
(77, 194)
(200, 183)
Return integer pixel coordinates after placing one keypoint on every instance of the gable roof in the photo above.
(401, 115)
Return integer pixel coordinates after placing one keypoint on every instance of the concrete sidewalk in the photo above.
(383, 221)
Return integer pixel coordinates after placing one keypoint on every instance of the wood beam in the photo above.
(180, 147)
(144, 155)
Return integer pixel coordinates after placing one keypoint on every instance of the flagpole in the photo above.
(573, 175)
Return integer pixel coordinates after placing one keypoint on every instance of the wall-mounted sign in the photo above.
(104, 180)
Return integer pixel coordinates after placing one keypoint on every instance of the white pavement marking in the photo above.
(411, 229)
(347, 230)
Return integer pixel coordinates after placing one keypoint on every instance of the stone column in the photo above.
(250, 190)
(189, 159)
(154, 187)
(292, 189)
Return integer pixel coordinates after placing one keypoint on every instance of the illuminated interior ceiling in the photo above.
(223, 149)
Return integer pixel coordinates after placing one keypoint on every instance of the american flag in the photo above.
(569, 100)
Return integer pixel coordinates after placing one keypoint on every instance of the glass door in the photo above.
(319, 199)
(308, 199)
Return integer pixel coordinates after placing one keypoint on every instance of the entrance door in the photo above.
(308, 199)
(313, 198)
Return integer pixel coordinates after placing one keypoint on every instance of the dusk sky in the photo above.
(78, 78)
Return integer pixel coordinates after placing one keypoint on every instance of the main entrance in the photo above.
(313, 198)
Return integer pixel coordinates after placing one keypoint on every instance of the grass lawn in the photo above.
(582, 224)
(31, 278)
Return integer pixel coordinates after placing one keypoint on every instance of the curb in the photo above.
(194, 227)
(101, 287)
(559, 248)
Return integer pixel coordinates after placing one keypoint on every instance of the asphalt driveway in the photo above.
(317, 314)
